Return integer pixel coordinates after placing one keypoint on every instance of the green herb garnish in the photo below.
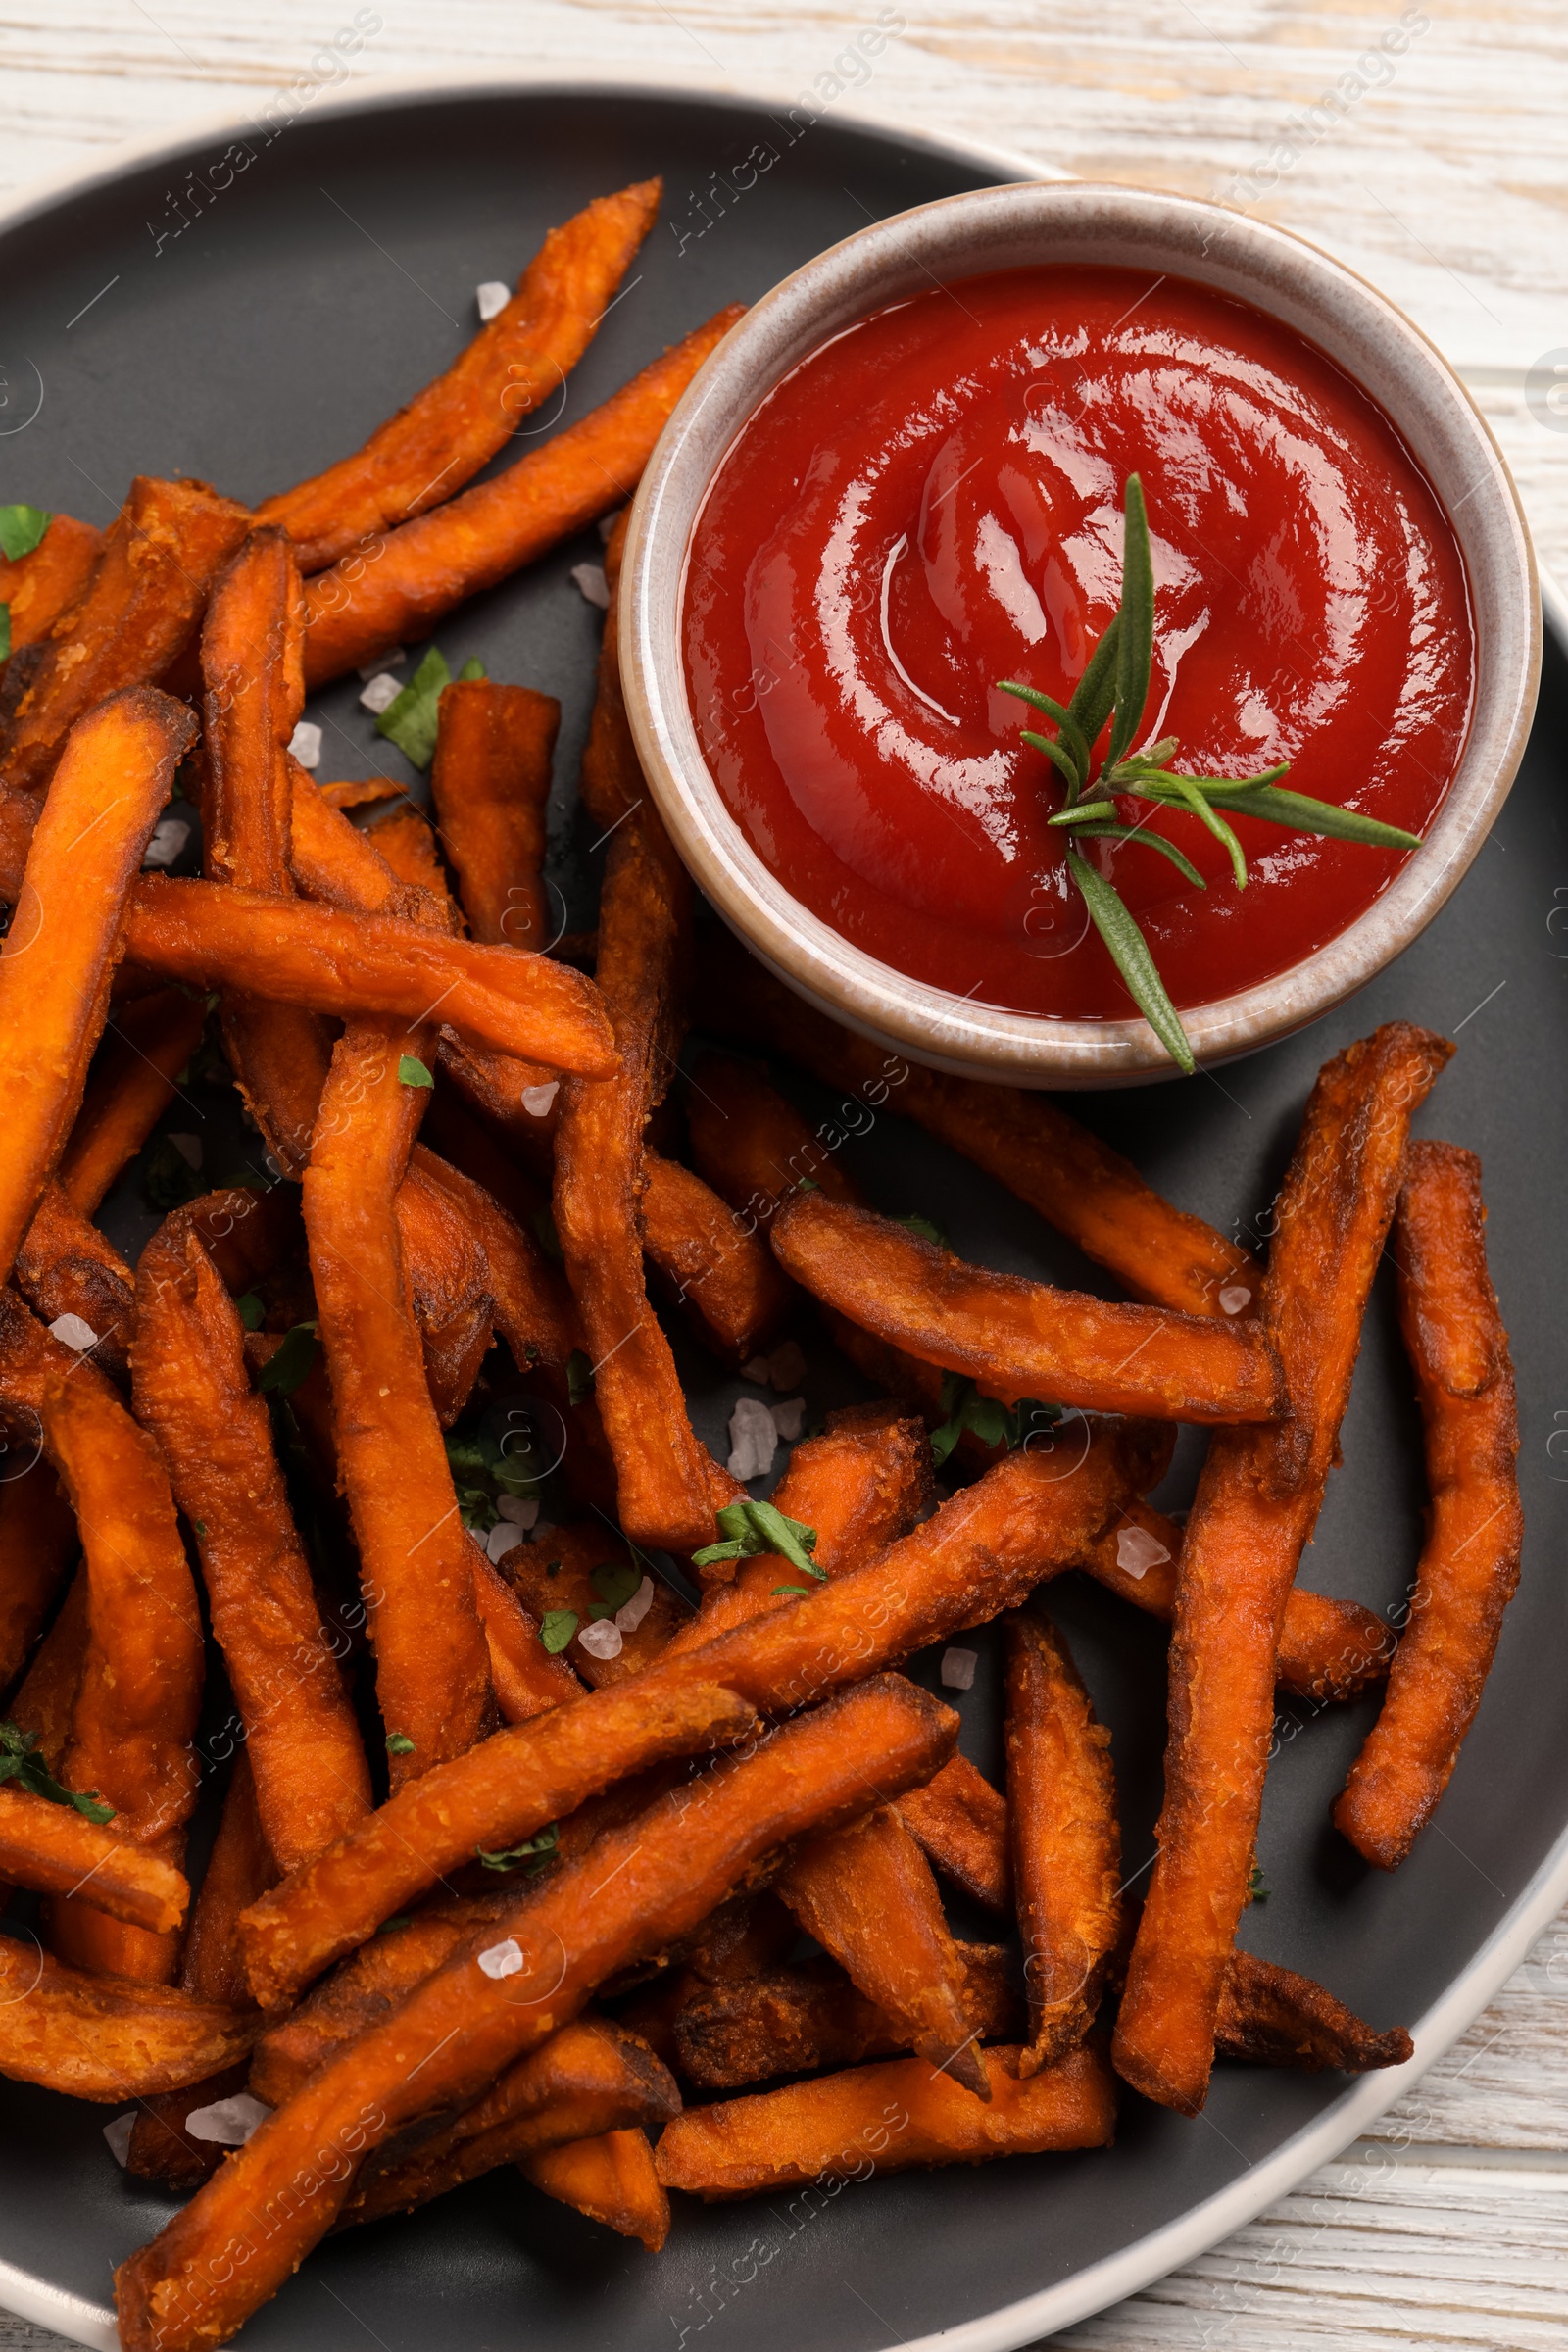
(580, 1378)
(1256, 1891)
(399, 1919)
(413, 1072)
(615, 1583)
(169, 1181)
(993, 1423)
(20, 529)
(249, 1310)
(549, 1240)
(539, 1849)
(555, 1629)
(1115, 686)
(927, 1231)
(398, 1743)
(801, 1589)
(411, 721)
(751, 1529)
(5, 632)
(20, 1761)
(285, 1370)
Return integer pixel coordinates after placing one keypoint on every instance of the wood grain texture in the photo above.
(1447, 186)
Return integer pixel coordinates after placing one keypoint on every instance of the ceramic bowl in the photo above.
(1016, 227)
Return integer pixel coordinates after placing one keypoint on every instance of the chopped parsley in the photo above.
(20, 1761)
(5, 632)
(249, 1310)
(167, 1180)
(1256, 1891)
(993, 1423)
(544, 1234)
(615, 1583)
(536, 1851)
(751, 1529)
(22, 529)
(282, 1374)
(411, 721)
(555, 1629)
(398, 1743)
(927, 1231)
(413, 1072)
(580, 1378)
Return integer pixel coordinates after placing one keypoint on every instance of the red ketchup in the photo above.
(933, 502)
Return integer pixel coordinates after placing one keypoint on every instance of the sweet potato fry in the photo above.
(445, 433)
(490, 781)
(395, 590)
(1066, 1839)
(868, 1895)
(1328, 1649)
(981, 1553)
(240, 1868)
(752, 1146)
(47, 1698)
(725, 1278)
(330, 961)
(612, 781)
(886, 2119)
(54, 1848)
(102, 2037)
(960, 1823)
(609, 2180)
(39, 587)
(660, 1468)
(193, 1395)
(65, 1266)
(132, 1083)
(254, 695)
(416, 1557)
(590, 2078)
(1023, 1338)
(1257, 1502)
(1271, 2016)
(636, 1890)
(330, 859)
(1160, 1254)
(136, 613)
(60, 951)
(862, 1484)
(577, 1570)
(136, 1703)
(790, 2021)
(37, 1545)
(405, 841)
(525, 1678)
(508, 1788)
(1469, 1565)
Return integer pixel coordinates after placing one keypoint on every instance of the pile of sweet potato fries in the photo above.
(518, 1845)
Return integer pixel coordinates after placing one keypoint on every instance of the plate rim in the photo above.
(1157, 2253)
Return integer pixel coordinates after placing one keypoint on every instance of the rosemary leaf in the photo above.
(1129, 951)
(1096, 691)
(1085, 812)
(1151, 841)
(1072, 738)
(1057, 756)
(1134, 645)
(1217, 824)
(1301, 813)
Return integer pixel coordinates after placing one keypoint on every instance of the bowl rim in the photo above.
(1291, 279)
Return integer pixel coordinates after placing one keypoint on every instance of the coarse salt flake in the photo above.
(536, 1099)
(503, 1538)
(753, 1440)
(492, 298)
(590, 578)
(380, 694)
(1235, 1296)
(502, 1959)
(118, 2133)
(958, 1669)
(602, 1639)
(1138, 1550)
(521, 1509)
(786, 1366)
(306, 744)
(789, 1418)
(227, 2122)
(630, 1617)
(169, 837)
(72, 1331)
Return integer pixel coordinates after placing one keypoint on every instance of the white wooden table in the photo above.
(1446, 184)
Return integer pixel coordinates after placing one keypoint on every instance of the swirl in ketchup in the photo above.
(933, 502)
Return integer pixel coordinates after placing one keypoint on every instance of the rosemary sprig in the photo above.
(1115, 686)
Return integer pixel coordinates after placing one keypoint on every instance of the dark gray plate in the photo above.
(327, 281)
